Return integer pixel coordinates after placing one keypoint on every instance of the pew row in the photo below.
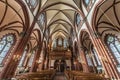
(77, 75)
(41, 75)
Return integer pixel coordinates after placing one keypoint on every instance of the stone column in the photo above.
(103, 54)
(13, 61)
(84, 61)
(17, 53)
(108, 59)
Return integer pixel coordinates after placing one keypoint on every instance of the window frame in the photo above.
(96, 57)
(111, 51)
(89, 5)
(42, 24)
(76, 19)
(32, 7)
(25, 53)
(10, 48)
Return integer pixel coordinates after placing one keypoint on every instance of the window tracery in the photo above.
(78, 19)
(41, 19)
(114, 45)
(88, 57)
(54, 44)
(96, 59)
(65, 43)
(23, 57)
(89, 60)
(60, 42)
(32, 3)
(87, 2)
(31, 58)
(5, 44)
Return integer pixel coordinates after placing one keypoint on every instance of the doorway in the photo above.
(60, 65)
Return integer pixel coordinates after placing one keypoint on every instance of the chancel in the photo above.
(59, 40)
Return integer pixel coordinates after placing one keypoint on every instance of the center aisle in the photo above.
(60, 76)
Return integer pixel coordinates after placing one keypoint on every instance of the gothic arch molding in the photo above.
(106, 18)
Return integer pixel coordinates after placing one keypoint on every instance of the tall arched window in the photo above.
(32, 3)
(59, 41)
(96, 59)
(41, 19)
(31, 58)
(89, 61)
(65, 43)
(86, 2)
(114, 45)
(54, 44)
(5, 44)
(78, 19)
(23, 57)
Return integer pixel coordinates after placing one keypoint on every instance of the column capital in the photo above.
(96, 34)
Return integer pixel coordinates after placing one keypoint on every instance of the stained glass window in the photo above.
(54, 44)
(23, 57)
(87, 2)
(65, 43)
(5, 44)
(78, 19)
(31, 59)
(114, 45)
(89, 60)
(41, 19)
(98, 63)
(60, 41)
(32, 3)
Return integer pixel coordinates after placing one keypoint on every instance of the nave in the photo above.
(67, 75)
(60, 39)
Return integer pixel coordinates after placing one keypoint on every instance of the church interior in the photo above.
(59, 40)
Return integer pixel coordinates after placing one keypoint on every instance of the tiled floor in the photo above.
(60, 76)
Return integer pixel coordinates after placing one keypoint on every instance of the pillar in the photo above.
(84, 61)
(13, 61)
(107, 63)
(83, 57)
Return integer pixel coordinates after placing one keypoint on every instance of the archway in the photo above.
(77, 58)
(60, 65)
(90, 53)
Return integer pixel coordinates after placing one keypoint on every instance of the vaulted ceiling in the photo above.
(107, 18)
(60, 16)
(11, 17)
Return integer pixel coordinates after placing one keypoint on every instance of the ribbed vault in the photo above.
(107, 18)
(12, 17)
(60, 15)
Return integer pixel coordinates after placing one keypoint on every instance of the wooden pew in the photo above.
(42, 75)
(77, 75)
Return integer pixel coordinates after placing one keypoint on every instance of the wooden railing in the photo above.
(77, 75)
(42, 75)
(60, 55)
